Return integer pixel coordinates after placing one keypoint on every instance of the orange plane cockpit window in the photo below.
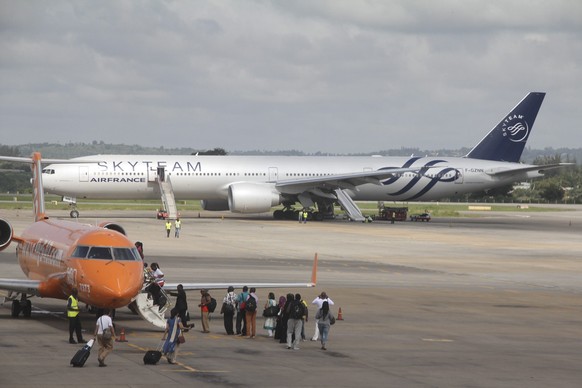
(127, 254)
(106, 253)
(103, 253)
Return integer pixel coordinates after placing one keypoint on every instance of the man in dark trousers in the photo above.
(73, 316)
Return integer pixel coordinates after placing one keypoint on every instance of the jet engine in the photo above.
(113, 226)
(215, 205)
(252, 197)
(5, 234)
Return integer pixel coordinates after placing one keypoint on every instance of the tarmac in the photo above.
(490, 300)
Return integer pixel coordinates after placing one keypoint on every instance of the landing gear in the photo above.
(15, 310)
(74, 213)
(23, 306)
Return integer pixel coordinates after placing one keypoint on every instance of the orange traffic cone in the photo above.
(339, 315)
(121, 336)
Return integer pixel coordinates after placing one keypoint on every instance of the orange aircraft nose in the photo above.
(110, 284)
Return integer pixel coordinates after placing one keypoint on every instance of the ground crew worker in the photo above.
(177, 225)
(305, 216)
(168, 228)
(73, 316)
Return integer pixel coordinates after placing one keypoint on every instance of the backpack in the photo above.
(251, 304)
(297, 311)
(212, 305)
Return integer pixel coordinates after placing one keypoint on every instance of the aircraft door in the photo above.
(273, 174)
(152, 174)
(83, 173)
(161, 174)
(459, 176)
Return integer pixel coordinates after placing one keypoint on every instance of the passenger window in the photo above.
(103, 253)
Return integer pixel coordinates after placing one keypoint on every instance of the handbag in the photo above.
(181, 339)
(106, 332)
(271, 311)
(331, 320)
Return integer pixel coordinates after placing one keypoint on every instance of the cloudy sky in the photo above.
(331, 75)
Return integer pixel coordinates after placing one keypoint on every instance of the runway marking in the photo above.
(437, 340)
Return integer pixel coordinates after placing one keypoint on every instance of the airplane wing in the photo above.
(29, 287)
(527, 168)
(349, 180)
(172, 287)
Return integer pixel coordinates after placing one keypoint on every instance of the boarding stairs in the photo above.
(168, 197)
(352, 210)
(143, 304)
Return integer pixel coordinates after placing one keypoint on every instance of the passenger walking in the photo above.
(168, 228)
(177, 228)
(105, 333)
(251, 313)
(73, 317)
(270, 323)
(319, 302)
(171, 336)
(228, 309)
(304, 319)
(240, 316)
(281, 325)
(325, 319)
(182, 306)
(294, 323)
(204, 302)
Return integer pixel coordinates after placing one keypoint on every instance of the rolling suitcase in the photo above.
(82, 355)
(153, 356)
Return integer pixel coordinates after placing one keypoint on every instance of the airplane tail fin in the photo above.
(507, 140)
(37, 188)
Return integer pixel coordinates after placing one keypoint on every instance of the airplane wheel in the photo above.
(278, 214)
(74, 214)
(27, 309)
(15, 311)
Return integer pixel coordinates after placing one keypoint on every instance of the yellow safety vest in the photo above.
(168, 225)
(74, 311)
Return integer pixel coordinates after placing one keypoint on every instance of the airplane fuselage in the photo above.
(209, 177)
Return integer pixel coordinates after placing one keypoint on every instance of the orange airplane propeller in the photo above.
(58, 255)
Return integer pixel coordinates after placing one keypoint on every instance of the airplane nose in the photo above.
(114, 283)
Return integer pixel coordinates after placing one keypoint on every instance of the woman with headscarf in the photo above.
(173, 331)
(283, 318)
(325, 320)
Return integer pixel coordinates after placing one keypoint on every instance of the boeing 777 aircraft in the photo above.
(254, 184)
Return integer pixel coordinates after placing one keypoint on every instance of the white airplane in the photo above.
(254, 184)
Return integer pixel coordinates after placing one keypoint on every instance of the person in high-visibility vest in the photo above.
(73, 316)
(177, 226)
(168, 228)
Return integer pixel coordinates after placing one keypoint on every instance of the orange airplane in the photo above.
(100, 261)
(57, 256)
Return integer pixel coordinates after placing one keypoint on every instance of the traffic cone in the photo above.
(339, 315)
(121, 336)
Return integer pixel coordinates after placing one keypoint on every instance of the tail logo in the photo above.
(515, 128)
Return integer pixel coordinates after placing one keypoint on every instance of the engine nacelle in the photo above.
(5, 234)
(113, 226)
(252, 197)
(214, 205)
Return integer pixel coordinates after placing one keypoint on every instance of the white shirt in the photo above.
(103, 322)
(319, 302)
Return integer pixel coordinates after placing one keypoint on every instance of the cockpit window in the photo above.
(103, 253)
(128, 254)
(106, 253)
(48, 171)
(80, 251)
